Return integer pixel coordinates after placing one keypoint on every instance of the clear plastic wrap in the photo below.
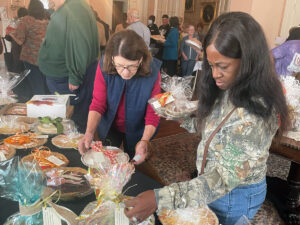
(25, 183)
(8, 81)
(109, 171)
(106, 215)
(11, 124)
(292, 89)
(69, 138)
(188, 216)
(22, 182)
(176, 102)
(58, 125)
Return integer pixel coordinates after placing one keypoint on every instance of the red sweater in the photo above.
(99, 103)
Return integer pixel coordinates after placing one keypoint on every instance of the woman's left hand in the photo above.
(141, 150)
(141, 207)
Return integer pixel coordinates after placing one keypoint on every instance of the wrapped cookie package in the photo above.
(188, 216)
(175, 103)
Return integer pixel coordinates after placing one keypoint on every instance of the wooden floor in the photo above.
(168, 127)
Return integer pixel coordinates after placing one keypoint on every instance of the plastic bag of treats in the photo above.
(188, 216)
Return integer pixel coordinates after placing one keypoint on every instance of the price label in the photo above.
(2, 156)
(50, 216)
(120, 218)
(55, 160)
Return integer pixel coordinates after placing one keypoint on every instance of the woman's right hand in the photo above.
(85, 143)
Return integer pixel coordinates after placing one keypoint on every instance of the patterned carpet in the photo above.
(173, 160)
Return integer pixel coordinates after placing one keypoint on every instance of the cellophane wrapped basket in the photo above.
(109, 172)
(24, 183)
(175, 103)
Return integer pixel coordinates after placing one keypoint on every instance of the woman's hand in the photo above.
(141, 152)
(85, 142)
(141, 207)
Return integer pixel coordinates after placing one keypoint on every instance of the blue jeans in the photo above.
(187, 67)
(243, 200)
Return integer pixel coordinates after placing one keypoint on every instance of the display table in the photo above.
(143, 183)
(290, 149)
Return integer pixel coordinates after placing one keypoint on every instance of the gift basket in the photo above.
(70, 181)
(53, 126)
(46, 158)
(175, 103)
(25, 183)
(9, 81)
(109, 171)
(25, 140)
(69, 138)
(10, 124)
(188, 216)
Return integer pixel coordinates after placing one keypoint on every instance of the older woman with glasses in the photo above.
(125, 80)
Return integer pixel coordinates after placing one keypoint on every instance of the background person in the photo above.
(152, 26)
(70, 46)
(29, 34)
(170, 51)
(128, 74)
(164, 28)
(287, 55)
(133, 19)
(188, 54)
(233, 183)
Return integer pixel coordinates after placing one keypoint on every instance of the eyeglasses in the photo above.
(131, 68)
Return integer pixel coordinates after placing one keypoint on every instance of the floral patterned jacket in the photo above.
(236, 156)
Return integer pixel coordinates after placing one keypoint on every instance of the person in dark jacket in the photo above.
(125, 80)
(170, 52)
(152, 26)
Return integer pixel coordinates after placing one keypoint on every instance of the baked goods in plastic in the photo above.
(46, 158)
(11, 125)
(70, 181)
(188, 216)
(16, 109)
(175, 103)
(66, 141)
(25, 140)
(105, 215)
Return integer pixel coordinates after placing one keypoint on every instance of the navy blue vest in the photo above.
(137, 93)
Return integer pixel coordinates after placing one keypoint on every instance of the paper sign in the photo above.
(2, 156)
(120, 218)
(41, 136)
(50, 216)
(55, 160)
